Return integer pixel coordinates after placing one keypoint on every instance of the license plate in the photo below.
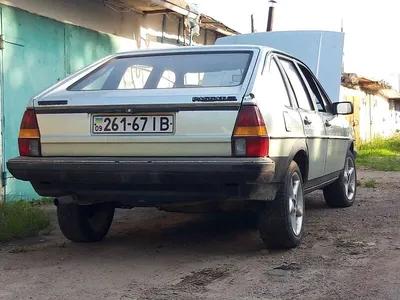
(133, 124)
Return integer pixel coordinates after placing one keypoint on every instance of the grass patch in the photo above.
(380, 154)
(368, 183)
(42, 201)
(19, 219)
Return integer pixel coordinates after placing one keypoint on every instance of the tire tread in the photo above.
(335, 195)
(74, 225)
(274, 224)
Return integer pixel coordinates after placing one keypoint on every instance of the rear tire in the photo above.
(342, 192)
(84, 224)
(281, 221)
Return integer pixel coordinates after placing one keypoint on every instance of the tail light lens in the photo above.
(250, 136)
(29, 135)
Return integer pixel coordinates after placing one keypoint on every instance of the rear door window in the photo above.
(300, 91)
(276, 88)
(322, 103)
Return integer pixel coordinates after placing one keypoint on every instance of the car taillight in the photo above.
(250, 136)
(29, 135)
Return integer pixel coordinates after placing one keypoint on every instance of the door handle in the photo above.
(327, 124)
(307, 121)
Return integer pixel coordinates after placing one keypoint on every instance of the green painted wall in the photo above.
(38, 52)
(85, 46)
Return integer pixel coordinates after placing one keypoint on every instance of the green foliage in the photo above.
(20, 219)
(380, 154)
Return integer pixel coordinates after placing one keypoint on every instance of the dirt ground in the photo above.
(351, 253)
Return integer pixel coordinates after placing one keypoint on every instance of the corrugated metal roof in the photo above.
(369, 85)
(390, 94)
(146, 5)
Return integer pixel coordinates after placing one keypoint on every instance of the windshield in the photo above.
(185, 70)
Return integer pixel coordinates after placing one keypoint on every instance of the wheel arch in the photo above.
(299, 154)
(352, 149)
(301, 158)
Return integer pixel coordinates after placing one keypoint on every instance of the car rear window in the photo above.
(187, 70)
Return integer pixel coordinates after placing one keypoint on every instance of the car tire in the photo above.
(281, 221)
(342, 192)
(84, 224)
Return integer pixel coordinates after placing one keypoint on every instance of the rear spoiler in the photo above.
(322, 51)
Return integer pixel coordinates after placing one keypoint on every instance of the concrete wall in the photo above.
(92, 14)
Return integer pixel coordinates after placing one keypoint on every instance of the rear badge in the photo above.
(52, 102)
(214, 99)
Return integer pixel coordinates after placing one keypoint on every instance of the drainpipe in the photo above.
(164, 24)
(271, 15)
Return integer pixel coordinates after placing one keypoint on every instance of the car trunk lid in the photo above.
(177, 127)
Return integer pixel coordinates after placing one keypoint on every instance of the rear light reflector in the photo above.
(29, 135)
(257, 146)
(29, 147)
(250, 136)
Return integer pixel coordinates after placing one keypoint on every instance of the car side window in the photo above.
(316, 94)
(299, 89)
(327, 103)
(276, 88)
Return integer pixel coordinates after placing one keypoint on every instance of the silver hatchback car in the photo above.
(192, 129)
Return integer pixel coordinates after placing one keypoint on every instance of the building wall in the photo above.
(92, 14)
(373, 116)
(38, 52)
(394, 106)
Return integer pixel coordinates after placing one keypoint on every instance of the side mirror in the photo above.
(343, 108)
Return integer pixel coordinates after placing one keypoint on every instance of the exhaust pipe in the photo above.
(65, 200)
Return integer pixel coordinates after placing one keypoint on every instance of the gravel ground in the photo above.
(351, 253)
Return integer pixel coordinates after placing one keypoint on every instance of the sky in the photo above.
(371, 33)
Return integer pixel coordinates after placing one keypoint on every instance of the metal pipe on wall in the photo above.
(271, 12)
(164, 24)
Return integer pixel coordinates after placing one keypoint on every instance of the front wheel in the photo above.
(342, 192)
(281, 221)
(85, 223)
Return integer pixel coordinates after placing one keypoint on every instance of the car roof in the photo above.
(189, 49)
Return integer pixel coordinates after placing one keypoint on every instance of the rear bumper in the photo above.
(145, 178)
